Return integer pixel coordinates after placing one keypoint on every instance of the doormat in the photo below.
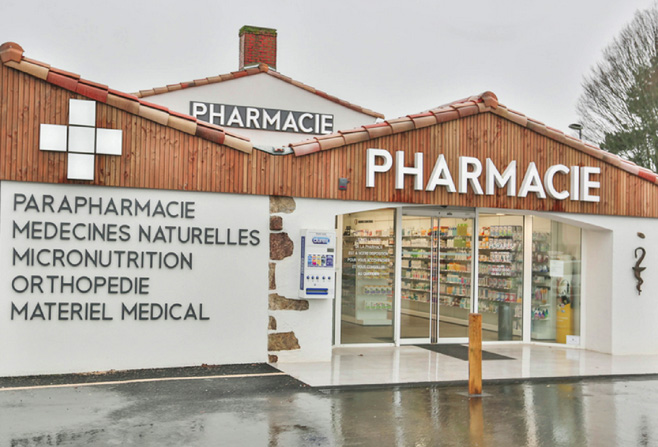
(461, 352)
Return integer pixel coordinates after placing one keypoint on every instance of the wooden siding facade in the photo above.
(161, 157)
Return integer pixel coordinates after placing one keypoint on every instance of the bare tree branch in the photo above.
(619, 104)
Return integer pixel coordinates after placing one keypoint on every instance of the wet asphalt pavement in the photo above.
(276, 410)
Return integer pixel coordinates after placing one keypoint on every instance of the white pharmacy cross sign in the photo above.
(80, 139)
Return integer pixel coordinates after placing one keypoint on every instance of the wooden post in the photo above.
(475, 354)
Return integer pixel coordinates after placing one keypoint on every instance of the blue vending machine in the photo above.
(318, 260)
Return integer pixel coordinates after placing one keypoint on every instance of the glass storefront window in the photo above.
(437, 277)
(368, 277)
(556, 269)
(500, 276)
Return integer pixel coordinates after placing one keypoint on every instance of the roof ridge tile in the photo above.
(11, 51)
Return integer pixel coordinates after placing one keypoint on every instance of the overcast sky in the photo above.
(394, 57)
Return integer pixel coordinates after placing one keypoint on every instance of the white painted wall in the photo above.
(230, 281)
(597, 290)
(263, 90)
(609, 286)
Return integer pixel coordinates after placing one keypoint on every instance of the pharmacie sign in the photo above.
(228, 115)
(583, 185)
(114, 255)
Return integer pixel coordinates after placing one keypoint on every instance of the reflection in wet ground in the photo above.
(273, 412)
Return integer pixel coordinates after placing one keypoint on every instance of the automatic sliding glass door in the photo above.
(418, 275)
(455, 276)
(436, 275)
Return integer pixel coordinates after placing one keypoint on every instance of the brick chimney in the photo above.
(257, 45)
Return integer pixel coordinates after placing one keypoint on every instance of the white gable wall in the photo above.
(263, 90)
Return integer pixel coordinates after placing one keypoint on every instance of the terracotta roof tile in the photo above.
(302, 85)
(231, 133)
(153, 114)
(355, 137)
(399, 125)
(62, 81)
(210, 125)
(555, 134)
(181, 124)
(11, 54)
(123, 103)
(445, 114)
(34, 62)
(123, 94)
(630, 167)
(288, 79)
(517, 118)
(590, 150)
(378, 130)
(647, 175)
(237, 143)
(65, 73)
(182, 115)
(210, 134)
(239, 74)
(307, 147)
(468, 110)
(423, 119)
(331, 142)
(612, 159)
(174, 87)
(32, 69)
(92, 91)
(536, 126)
(260, 69)
(155, 106)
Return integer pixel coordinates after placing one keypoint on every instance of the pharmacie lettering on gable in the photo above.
(582, 187)
(263, 118)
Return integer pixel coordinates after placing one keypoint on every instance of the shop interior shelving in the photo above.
(543, 297)
(500, 276)
(367, 279)
(418, 273)
(455, 272)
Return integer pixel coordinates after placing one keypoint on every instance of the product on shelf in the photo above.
(500, 278)
(367, 275)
